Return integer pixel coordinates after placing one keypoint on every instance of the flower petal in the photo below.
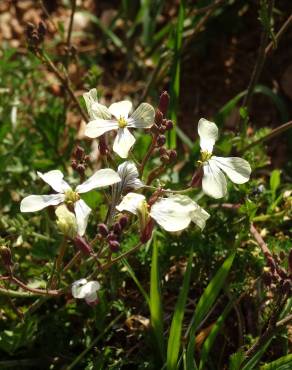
(123, 142)
(99, 126)
(121, 109)
(100, 178)
(34, 203)
(129, 176)
(95, 110)
(176, 212)
(55, 179)
(143, 116)
(208, 133)
(237, 169)
(131, 203)
(84, 289)
(213, 182)
(82, 212)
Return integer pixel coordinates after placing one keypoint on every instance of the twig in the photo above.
(148, 155)
(36, 291)
(278, 35)
(277, 131)
(121, 256)
(258, 67)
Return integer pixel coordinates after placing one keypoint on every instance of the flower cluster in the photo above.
(171, 210)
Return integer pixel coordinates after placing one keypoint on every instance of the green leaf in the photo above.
(156, 315)
(236, 360)
(275, 180)
(205, 303)
(174, 340)
(282, 363)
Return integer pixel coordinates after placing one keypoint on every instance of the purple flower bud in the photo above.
(163, 102)
(123, 221)
(162, 129)
(147, 232)
(82, 245)
(169, 124)
(79, 152)
(5, 253)
(103, 230)
(103, 148)
(112, 236)
(158, 117)
(114, 246)
(172, 155)
(197, 178)
(117, 228)
(164, 158)
(161, 140)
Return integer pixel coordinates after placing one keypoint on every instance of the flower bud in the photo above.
(158, 117)
(123, 221)
(164, 158)
(79, 152)
(74, 164)
(154, 129)
(162, 129)
(161, 140)
(197, 178)
(42, 28)
(162, 151)
(169, 125)
(114, 246)
(83, 245)
(147, 232)
(5, 253)
(117, 228)
(163, 102)
(172, 155)
(103, 230)
(111, 236)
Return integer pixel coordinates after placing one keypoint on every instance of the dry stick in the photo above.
(279, 34)
(277, 131)
(64, 81)
(34, 290)
(260, 61)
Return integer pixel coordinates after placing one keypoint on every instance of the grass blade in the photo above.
(174, 339)
(156, 314)
(205, 303)
(282, 363)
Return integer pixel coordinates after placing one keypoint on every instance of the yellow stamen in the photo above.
(122, 122)
(71, 197)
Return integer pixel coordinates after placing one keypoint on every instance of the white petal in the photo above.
(83, 289)
(123, 142)
(143, 117)
(199, 217)
(237, 169)
(100, 178)
(95, 110)
(173, 213)
(34, 203)
(82, 212)
(99, 126)
(129, 176)
(121, 109)
(213, 182)
(55, 179)
(208, 133)
(131, 203)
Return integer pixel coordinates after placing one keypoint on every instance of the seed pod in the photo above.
(161, 140)
(123, 221)
(163, 102)
(114, 246)
(103, 230)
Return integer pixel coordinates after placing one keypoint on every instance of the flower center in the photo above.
(205, 157)
(71, 197)
(122, 122)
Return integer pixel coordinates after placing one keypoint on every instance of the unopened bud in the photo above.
(169, 125)
(155, 129)
(147, 232)
(161, 140)
(112, 236)
(66, 221)
(80, 169)
(172, 155)
(74, 164)
(79, 152)
(164, 158)
(117, 228)
(163, 102)
(83, 245)
(123, 221)
(5, 253)
(162, 129)
(197, 178)
(114, 246)
(103, 230)
(158, 117)
(42, 28)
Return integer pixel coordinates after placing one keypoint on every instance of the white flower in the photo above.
(214, 182)
(66, 195)
(116, 117)
(174, 213)
(83, 289)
